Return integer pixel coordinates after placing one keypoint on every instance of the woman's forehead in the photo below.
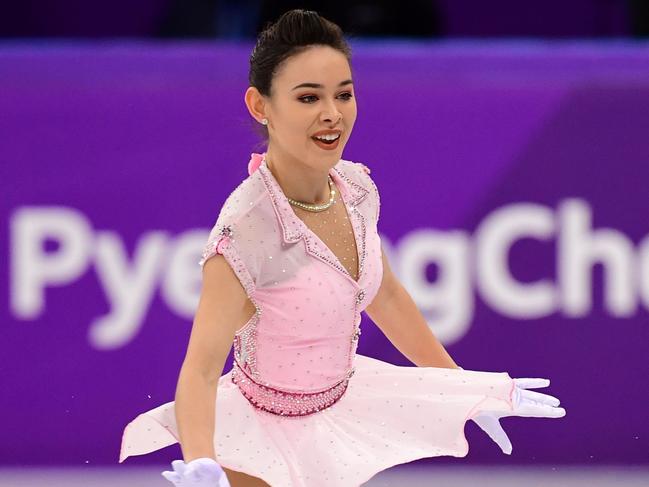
(327, 67)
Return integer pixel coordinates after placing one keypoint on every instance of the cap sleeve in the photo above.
(222, 240)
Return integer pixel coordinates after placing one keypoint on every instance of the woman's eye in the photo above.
(304, 98)
(308, 98)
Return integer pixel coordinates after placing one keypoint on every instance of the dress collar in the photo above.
(293, 227)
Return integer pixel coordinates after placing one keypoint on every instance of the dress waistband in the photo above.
(285, 403)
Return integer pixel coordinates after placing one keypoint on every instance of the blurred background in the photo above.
(510, 145)
(230, 19)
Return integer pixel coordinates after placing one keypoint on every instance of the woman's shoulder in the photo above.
(243, 200)
(243, 210)
(358, 171)
(242, 219)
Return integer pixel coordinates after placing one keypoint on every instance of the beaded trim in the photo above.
(335, 262)
(377, 196)
(363, 239)
(360, 191)
(245, 342)
(353, 344)
(290, 226)
(285, 403)
(354, 203)
(331, 258)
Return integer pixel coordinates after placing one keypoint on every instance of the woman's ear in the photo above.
(256, 103)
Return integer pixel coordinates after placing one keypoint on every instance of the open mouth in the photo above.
(325, 141)
(327, 144)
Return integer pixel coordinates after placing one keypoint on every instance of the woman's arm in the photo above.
(222, 309)
(398, 317)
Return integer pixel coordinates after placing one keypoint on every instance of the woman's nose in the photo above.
(331, 113)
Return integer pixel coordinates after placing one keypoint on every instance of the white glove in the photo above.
(526, 403)
(200, 472)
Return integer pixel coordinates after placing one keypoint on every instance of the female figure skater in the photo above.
(292, 260)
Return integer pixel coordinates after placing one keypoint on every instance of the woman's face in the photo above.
(296, 113)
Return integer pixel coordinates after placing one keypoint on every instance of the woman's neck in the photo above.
(299, 181)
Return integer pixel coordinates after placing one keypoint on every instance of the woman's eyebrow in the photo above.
(317, 85)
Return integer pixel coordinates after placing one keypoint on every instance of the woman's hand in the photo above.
(526, 403)
(201, 472)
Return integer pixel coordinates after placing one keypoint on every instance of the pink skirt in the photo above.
(388, 415)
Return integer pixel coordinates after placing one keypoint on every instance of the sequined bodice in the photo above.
(309, 277)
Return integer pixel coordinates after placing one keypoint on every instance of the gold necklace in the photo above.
(314, 207)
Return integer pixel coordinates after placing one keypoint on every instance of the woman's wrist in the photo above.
(204, 458)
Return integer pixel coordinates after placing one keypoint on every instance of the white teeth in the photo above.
(327, 137)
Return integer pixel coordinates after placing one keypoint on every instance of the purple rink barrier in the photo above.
(513, 180)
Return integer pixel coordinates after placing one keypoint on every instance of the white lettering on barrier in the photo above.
(492, 241)
(129, 285)
(32, 269)
(578, 249)
(447, 303)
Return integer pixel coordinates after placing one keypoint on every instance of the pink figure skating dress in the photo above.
(300, 408)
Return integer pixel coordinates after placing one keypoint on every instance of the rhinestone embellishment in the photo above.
(211, 247)
(226, 231)
(245, 345)
(360, 296)
(285, 403)
(356, 334)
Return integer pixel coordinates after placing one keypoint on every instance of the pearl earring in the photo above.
(264, 121)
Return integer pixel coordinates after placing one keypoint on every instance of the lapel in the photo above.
(294, 229)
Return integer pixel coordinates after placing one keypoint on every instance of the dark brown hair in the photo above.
(291, 34)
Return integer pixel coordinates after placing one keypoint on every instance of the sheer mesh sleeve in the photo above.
(222, 241)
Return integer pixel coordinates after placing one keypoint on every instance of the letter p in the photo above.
(32, 267)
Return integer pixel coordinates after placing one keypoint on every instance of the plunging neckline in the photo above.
(332, 258)
(314, 235)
